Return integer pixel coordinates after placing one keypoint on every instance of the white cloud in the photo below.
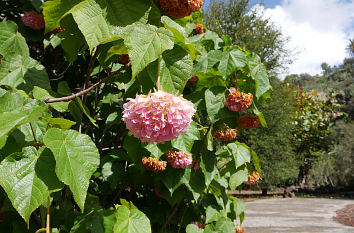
(319, 29)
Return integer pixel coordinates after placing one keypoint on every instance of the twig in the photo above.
(48, 216)
(203, 142)
(34, 135)
(180, 222)
(175, 208)
(73, 96)
(89, 71)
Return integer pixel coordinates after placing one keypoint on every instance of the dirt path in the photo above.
(295, 215)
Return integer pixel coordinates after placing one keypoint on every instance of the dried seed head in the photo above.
(225, 135)
(178, 159)
(124, 59)
(240, 229)
(154, 164)
(180, 8)
(253, 178)
(248, 121)
(33, 20)
(238, 101)
(199, 29)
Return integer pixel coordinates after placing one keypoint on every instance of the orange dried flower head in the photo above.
(154, 164)
(253, 178)
(248, 121)
(225, 135)
(124, 59)
(240, 229)
(238, 101)
(199, 29)
(180, 8)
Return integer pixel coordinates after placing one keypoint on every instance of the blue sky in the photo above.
(319, 30)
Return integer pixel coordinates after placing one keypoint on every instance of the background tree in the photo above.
(247, 27)
(274, 144)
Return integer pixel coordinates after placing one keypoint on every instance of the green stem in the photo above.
(158, 73)
(41, 230)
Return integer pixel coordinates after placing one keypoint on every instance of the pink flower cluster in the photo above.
(178, 159)
(33, 20)
(157, 117)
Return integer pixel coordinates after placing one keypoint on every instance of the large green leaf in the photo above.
(77, 158)
(207, 61)
(181, 37)
(238, 178)
(196, 184)
(96, 19)
(259, 74)
(192, 228)
(185, 142)
(231, 60)
(241, 153)
(145, 44)
(208, 166)
(28, 178)
(173, 178)
(176, 68)
(11, 40)
(97, 220)
(215, 103)
(131, 220)
(22, 72)
(15, 110)
(40, 94)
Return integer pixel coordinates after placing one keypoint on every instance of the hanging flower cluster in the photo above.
(199, 29)
(240, 229)
(248, 121)
(180, 8)
(33, 20)
(252, 178)
(153, 164)
(225, 135)
(238, 101)
(178, 159)
(157, 117)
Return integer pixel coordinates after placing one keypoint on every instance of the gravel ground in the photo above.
(299, 215)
